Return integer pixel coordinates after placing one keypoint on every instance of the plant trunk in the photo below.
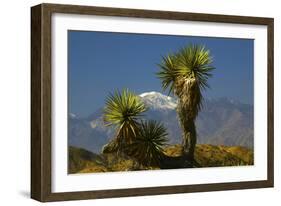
(189, 104)
(189, 133)
(189, 139)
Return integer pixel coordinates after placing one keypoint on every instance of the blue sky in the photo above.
(100, 62)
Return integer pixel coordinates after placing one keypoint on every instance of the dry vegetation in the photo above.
(83, 161)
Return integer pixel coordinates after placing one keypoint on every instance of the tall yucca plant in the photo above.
(148, 147)
(123, 109)
(185, 73)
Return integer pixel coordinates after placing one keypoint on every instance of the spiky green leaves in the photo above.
(148, 147)
(190, 62)
(168, 72)
(194, 61)
(186, 73)
(123, 109)
(143, 140)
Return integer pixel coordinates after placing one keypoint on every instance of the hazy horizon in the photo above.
(204, 99)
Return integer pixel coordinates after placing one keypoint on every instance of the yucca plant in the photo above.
(148, 147)
(185, 73)
(123, 110)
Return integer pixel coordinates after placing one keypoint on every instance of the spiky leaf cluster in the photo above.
(148, 147)
(123, 110)
(143, 140)
(190, 62)
(185, 73)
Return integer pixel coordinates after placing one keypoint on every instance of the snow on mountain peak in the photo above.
(73, 116)
(156, 100)
(149, 93)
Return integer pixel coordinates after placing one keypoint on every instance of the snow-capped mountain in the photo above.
(156, 100)
(73, 116)
(221, 121)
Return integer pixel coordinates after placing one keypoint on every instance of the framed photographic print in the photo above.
(130, 102)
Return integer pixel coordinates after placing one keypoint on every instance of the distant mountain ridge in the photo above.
(221, 122)
(156, 100)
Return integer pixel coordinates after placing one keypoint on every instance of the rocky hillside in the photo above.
(83, 161)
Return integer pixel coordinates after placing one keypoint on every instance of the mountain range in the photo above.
(221, 121)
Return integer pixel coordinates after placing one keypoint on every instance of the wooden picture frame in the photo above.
(41, 98)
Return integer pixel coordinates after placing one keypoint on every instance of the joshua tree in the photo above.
(185, 73)
(123, 110)
(148, 147)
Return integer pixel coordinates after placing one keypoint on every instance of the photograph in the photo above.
(132, 102)
(141, 101)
